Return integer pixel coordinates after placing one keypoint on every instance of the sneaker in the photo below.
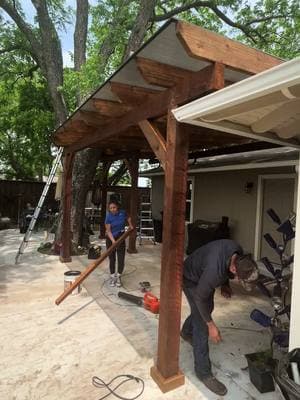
(187, 338)
(112, 281)
(214, 385)
(118, 281)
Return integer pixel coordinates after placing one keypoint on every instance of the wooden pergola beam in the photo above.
(104, 183)
(156, 73)
(110, 108)
(206, 80)
(92, 118)
(132, 95)
(210, 46)
(133, 168)
(156, 140)
(66, 235)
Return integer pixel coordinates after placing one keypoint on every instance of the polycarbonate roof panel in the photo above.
(130, 75)
(167, 49)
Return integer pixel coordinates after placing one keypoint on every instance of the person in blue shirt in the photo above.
(115, 222)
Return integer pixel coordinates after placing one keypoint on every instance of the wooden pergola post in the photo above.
(133, 167)
(105, 170)
(66, 235)
(166, 371)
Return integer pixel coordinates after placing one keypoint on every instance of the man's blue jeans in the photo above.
(195, 326)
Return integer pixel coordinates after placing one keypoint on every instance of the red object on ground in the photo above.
(151, 303)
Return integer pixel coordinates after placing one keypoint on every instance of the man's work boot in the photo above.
(214, 385)
(187, 338)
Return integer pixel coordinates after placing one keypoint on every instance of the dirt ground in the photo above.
(52, 352)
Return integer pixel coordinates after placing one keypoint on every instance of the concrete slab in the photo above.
(50, 352)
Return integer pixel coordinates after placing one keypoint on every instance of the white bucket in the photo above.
(69, 278)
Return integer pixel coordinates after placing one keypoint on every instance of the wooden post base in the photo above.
(166, 384)
(65, 259)
(132, 251)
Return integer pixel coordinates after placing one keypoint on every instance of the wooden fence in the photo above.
(14, 195)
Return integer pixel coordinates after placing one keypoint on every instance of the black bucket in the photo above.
(261, 366)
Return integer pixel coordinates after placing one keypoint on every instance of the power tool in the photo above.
(149, 301)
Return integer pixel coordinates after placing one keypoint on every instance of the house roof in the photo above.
(180, 58)
(275, 157)
(265, 105)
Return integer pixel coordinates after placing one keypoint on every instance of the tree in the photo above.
(119, 27)
(26, 122)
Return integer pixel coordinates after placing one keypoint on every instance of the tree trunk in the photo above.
(51, 60)
(80, 36)
(141, 24)
(84, 169)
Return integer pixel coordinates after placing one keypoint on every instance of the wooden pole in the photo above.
(65, 251)
(90, 268)
(133, 167)
(105, 170)
(166, 372)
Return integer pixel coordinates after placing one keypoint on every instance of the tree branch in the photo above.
(10, 49)
(229, 22)
(178, 10)
(245, 28)
(270, 17)
(24, 28)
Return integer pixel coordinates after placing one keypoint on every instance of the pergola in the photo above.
(130, 117)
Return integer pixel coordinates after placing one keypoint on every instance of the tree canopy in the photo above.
(115, 28)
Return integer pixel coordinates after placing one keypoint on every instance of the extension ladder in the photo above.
(146, 229)
(40, 205)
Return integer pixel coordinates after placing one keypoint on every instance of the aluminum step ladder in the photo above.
(146, 229)
(38, 208)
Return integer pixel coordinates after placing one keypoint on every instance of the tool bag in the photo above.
(94, 252)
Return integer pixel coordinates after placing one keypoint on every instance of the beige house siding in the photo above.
(223, 193)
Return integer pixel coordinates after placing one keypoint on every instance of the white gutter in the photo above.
(277, 78)
(233, 167)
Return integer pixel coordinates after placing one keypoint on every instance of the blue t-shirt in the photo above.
(116, 221)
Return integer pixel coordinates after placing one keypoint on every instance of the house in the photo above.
(241, 186)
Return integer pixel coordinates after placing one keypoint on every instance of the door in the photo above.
(277, 193)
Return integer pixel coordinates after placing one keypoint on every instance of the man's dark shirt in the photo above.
(206, 269)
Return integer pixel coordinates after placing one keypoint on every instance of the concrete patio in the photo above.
(50, 352)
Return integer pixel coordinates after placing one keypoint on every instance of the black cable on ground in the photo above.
(99, 383)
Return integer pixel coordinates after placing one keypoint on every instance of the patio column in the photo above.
(133, 167)
(66, 235)
(105, 170)
(295, 301)
(166, 371)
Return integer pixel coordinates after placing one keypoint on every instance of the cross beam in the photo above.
(209, 79)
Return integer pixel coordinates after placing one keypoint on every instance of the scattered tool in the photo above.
(149, 301)
(145, 286)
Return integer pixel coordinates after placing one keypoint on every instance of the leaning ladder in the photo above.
(40, 205)
(146, 230)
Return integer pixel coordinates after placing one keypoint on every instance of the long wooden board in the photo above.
(91, 267)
